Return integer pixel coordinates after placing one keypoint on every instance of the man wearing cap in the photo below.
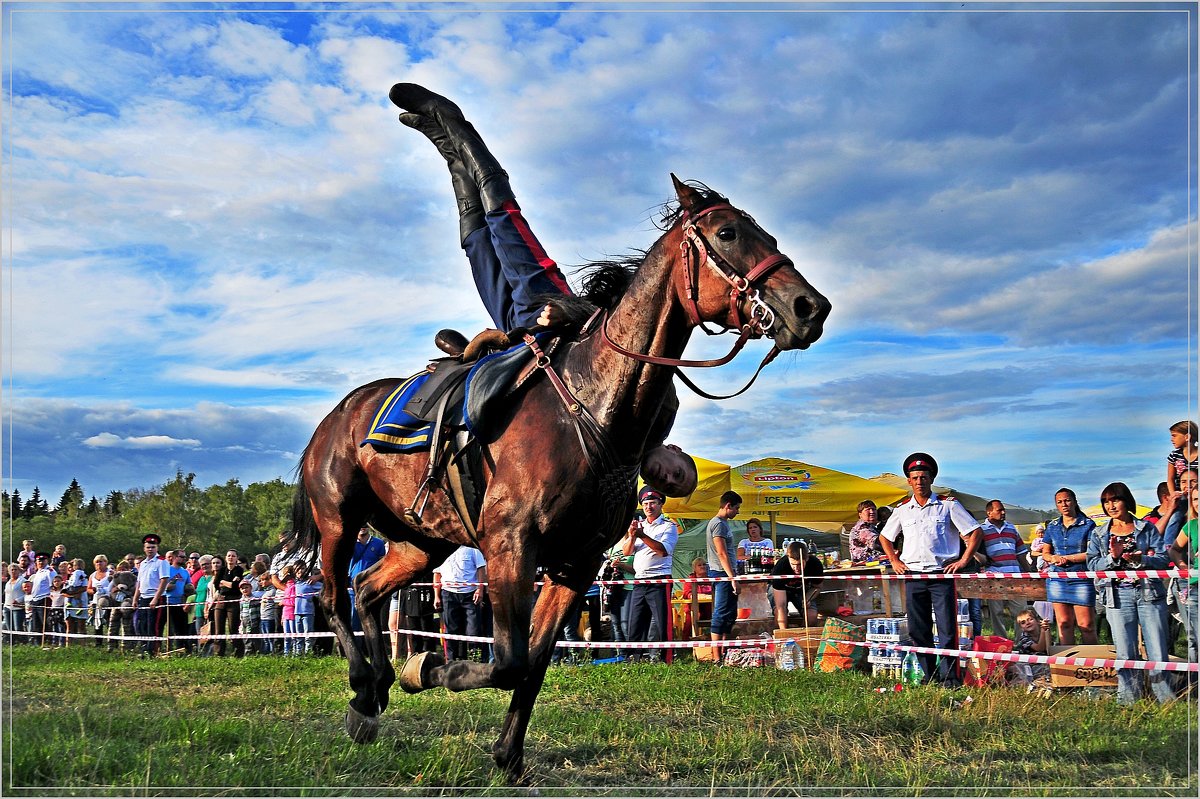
(931, 526)
(38, 603)
(152, 577)
(652, 543)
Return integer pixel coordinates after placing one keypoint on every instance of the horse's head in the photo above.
(734, 275)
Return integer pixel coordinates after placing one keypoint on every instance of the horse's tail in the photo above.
(304, 535)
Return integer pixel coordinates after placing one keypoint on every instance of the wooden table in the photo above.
(1029, 589)
(884, 586)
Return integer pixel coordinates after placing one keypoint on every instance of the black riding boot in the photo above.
(466, 193)
(483, 168)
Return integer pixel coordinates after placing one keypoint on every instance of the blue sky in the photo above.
(215, 227)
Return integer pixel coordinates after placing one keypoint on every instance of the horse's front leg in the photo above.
(510, 575)
(554, 604)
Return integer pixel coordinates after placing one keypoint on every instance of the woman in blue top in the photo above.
(1125, 542)
(1065, 550)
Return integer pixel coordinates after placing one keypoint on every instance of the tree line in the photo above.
(214, 519)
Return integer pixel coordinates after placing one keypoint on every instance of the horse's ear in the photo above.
(689, 198)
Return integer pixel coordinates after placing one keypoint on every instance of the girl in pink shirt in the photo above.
(288, 614)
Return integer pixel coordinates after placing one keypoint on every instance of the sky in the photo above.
(214, 227)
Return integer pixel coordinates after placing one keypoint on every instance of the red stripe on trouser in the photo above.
(547, 263)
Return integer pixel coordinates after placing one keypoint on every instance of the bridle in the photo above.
(698, 253)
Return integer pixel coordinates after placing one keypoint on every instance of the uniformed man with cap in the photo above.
(152, 578)
(652, 544)
(932, 527)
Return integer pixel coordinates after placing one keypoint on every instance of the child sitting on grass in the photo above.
(1033, 638)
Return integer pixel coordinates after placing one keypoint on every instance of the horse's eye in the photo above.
(727, 234)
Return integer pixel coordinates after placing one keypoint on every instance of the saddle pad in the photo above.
(395, 430)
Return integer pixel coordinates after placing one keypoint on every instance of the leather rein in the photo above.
(697, 253)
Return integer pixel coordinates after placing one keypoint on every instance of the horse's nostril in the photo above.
(803, 308)
(810, 308)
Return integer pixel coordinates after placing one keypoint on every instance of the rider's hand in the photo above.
(549, 317)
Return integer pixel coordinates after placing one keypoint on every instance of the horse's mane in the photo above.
(603, 283)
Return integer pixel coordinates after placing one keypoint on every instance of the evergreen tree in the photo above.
(114, 504)
(15, 506)
(71, 504)
(93, 507)
(36, 506)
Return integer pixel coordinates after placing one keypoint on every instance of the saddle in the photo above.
(450, 410)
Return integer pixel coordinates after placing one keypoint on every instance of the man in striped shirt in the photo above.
(1002, 544)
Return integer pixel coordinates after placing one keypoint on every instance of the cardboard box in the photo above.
(1064, 675)
(808, 638)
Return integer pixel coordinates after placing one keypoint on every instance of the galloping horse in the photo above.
(547, 501)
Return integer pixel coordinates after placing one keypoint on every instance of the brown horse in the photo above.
(547, 502)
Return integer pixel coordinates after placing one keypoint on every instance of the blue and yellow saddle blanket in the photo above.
(395, 430)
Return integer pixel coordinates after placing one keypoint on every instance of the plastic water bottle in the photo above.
(911, 672)
(787, 656)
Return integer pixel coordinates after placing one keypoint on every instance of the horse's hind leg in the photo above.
(374, 587)
(338, 531)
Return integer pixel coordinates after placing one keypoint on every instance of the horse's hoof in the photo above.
(512, 765)
(361, 729)
(414, 677)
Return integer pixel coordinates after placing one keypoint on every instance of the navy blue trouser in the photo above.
(647, 611)
(462, 617)
(928, 600)
(511, 269)
(150, 625)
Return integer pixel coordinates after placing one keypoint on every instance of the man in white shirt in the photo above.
(458, 588)
(931, 527)
(652, 544)
(152, 577)
(39, 596)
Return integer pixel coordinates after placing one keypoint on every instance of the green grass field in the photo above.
(84, 722)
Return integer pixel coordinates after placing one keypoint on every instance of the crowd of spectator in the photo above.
(231, 604)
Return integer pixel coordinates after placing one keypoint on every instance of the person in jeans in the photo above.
(721, 559)
(652, 544)
(14, 604)
(308, 588)
(1126, 543)
(458, 593)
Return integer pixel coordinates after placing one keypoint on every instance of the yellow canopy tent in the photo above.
(794, 498)
(783, 490)
(1096, 513)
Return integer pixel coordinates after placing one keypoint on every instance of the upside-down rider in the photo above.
(512, 271)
